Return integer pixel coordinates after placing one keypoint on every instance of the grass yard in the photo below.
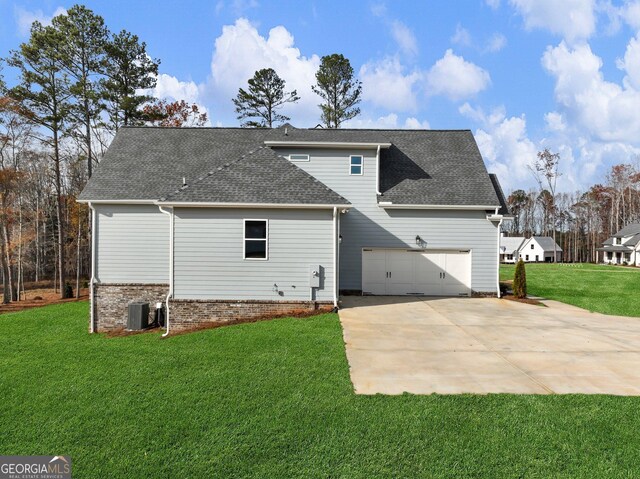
(600, 288)
(273, 399)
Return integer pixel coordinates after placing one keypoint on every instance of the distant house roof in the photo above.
(546, 243)
(631, 232)
(260, 177)
(510, 244)
(616, 248)
(431, 167)
(631, 229)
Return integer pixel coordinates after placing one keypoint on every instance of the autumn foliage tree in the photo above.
(173, 114)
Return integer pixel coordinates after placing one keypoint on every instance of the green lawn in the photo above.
(273, 399)
(600, 288)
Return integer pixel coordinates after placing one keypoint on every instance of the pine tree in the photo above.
(128, 69)
(82, 57)
(338, 89)
(264, 97)
(44, 94)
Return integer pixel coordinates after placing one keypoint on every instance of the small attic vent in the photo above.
(184, 181)
(286, 131)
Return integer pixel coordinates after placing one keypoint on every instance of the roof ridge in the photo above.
(212, 172)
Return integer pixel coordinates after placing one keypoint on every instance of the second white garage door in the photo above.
(418, 272)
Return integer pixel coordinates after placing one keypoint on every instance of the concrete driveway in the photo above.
(487, 345)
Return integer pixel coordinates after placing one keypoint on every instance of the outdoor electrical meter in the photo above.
(314, 276)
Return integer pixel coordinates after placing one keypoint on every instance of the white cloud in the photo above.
(404, 37)
(493, 3)
(379, 9)
(573, 19)
(631, 64)
(240, 50)
(554, 121)
(169, 87)
(496, 43)
(390, 121)
(608, 111)
(385, 84)
(631, 14)
(461, 36)
(456, 78)
(24, 18)
(504, 144)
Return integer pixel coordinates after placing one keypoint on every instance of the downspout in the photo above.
(92, 318)
(170, 294)
(335, 257)
(378, 171)
(498, 270)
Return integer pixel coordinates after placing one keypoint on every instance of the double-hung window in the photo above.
(356, 165)
(256, 239)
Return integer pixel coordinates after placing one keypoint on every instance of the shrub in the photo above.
(520, 281)
(68, 291)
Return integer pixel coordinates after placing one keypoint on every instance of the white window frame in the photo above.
(291, 155)
(361, 165)
(245, 239)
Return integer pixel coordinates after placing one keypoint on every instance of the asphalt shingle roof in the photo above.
(434, 167)
(631, 229)
(261, 176)
(511, 244)
(546, 243)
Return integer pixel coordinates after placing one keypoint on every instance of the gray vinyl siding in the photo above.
(368, 225)
(209, 263)
(132, 244)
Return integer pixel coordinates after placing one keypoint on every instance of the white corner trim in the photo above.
(378, 171)
(335, 257)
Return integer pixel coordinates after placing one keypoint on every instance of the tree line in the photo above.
(579, 221)
(77, 83)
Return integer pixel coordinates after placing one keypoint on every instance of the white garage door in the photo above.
(418, 272)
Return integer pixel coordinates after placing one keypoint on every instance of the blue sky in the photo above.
(521, 74)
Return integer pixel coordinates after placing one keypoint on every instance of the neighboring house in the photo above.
(536, 249)
(623, 247)
(509, 248)
(221, 223)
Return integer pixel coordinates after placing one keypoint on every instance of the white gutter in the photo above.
(335, 257)
(170, 294)
(326, 144)
(92, 321)
(389, 205)
(118, 202)
(204, 204)
(378, 171)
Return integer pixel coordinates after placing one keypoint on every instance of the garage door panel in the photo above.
(374, 272)
(406, 272)
(429, 268)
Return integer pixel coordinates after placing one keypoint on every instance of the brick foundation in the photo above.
(112, 300)
(185, 314)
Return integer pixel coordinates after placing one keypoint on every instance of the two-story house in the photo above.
(623, 247)
(536, 249)
(221, 223)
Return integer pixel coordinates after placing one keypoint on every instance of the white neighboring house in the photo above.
(509, 248)
(623, 247)
(537, 249)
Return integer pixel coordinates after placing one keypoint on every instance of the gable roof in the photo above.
(510, 244)
(260, 177)
(631, 229)
(433, 167)
(504, 207)
(546, 243)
